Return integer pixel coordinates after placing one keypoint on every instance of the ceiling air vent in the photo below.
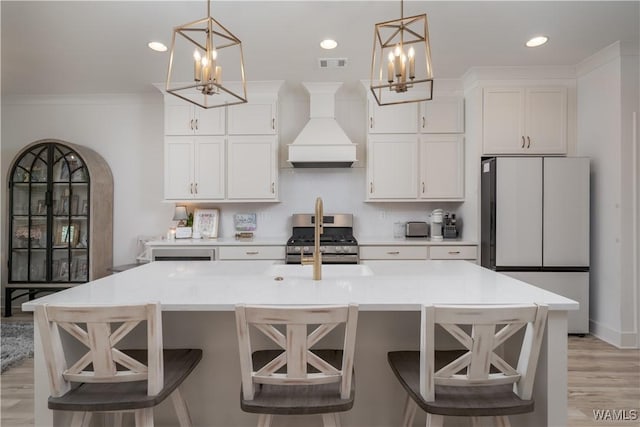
(332, 62)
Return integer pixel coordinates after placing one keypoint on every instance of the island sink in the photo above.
(329, 271)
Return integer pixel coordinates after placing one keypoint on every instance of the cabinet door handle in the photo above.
(423, 122)
(196, 188)
(196, 124)
(191, 188)
(393, 253)
(454, 252)
(423, 188)
(273, 188)
(273, 123)
(370, 122)
(522, 142)
(528, 142)
(371, 187)
(252, 252)
(191, 124)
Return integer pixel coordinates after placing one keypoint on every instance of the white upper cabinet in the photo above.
(525, 120)
(442, 167)
(194, 168)
(401, 118)
(415, 151)
(392, 167)
(253, 118)
(184, 118)
(442, 115)
(253, 171)
(225, 154)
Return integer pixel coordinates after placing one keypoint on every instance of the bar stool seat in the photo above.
(98, 397)
(298, 399)
(470, 401)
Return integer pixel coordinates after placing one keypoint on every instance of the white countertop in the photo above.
(281, 241)
(220, 285)
(413, 241)
(221, 241)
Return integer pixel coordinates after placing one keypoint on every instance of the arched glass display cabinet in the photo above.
(60, 219)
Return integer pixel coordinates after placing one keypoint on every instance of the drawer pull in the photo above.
(252, 252)
(454, 252)
(393, 253)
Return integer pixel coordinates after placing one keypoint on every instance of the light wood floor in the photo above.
(601, 377)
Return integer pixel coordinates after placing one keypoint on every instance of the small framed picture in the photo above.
(63, 271)
(41, 208)
(64, 171)
(67, 234)
(205, 222)
(64, 205)
(74, 204)
(245, 221)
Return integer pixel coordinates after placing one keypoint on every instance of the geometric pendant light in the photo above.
(401, 68)
(204, 57)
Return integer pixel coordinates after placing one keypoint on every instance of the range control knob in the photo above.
(306, 249)
(297, 249)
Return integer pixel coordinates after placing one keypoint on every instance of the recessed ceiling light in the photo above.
(157, 46)
(537, 41)
(328, 44)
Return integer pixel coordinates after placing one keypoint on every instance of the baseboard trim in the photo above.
(616, 338)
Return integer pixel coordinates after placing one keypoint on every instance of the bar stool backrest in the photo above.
(100, 328)
(491, 326)
(296, 343)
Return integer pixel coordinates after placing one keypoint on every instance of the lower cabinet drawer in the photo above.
(251, 252)
(393, 252)
(453, 252)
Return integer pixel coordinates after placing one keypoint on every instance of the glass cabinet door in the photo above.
(49, 199)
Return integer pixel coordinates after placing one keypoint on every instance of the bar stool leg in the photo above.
(434, 420)
(144, 417)
(265, 420)
(502, 421)
(331, 420)
(81, 419)
(180, 406)
(409, 412)
(117, 418)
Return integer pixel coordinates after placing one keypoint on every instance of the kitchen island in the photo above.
(198, 300)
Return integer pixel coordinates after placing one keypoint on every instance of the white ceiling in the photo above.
(76, 47)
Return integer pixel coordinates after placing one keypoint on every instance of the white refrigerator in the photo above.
(535, 225)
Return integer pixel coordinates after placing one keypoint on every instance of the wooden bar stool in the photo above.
(475, 382)
(297, 380)
(106, 379)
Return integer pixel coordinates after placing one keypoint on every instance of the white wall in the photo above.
(127, 130)
(607, 98)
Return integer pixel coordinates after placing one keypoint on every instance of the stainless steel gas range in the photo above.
(337, 244)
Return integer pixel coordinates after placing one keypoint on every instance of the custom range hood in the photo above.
(322, 143)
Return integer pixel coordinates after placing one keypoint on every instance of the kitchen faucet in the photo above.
(316, 258)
